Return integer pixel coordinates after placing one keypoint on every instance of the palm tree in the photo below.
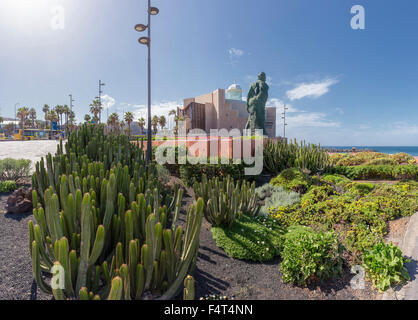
(162, 121)
(95, 110)
(71, 115)
(129, 117)
(154, 123)
(45, 110)
(1, 120)
(87, 118)
(32, 116)
(52, 117)
(113, 120)
(59, 110)
(22, 114)
(141, 124)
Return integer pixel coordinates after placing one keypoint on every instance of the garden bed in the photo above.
(215, 274)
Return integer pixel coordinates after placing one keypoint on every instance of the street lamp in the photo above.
(101, 84)
(15, 115)
(71, 108)
(152, 11)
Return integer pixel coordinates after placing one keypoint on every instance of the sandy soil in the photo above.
(32, 150)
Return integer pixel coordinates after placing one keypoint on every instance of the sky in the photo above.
(343, 86)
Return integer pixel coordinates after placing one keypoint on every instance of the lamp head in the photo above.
(154, 11)
(144, 40)
(141, 27)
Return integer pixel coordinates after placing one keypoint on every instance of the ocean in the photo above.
(413, 151)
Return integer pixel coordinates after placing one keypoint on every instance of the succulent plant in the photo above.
(226, 200)
(102, 229)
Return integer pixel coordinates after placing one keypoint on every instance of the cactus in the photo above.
(284, 155)
(188, 293)
(101, 218)
(226, 200)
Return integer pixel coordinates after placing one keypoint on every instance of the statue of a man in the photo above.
(256, 104)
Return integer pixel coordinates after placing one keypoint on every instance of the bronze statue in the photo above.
(256, 104)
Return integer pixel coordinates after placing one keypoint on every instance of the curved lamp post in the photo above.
(152, 11)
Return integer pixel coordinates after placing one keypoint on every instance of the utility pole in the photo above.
(284, 121)
(101, 84)
(71, 109)
(15, 115)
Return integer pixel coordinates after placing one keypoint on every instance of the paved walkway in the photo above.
(32, 150)
(409, 248)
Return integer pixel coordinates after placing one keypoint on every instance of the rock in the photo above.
(20, 201)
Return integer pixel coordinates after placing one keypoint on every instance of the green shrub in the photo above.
(292, 180)
(309, 256)
(274, 196)
(382, 161)
(403, 157)
(14, 170)
(358, 212)
(8, 186)
(335, 179)
(250, 238)
(385, 266)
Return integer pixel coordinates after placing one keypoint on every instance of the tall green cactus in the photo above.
(102, 219)
(282, 155)
(226, 200)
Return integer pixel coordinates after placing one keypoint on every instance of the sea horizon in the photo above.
(412, 150)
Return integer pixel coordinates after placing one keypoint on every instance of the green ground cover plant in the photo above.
(359, 212)
(309, 256)
(14, 170)
(370, 158)
(385, 266)
(380, 172)
(251, 238)
(7, 186)
(292, 179)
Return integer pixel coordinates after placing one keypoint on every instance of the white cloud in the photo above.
(279, 105)
(311, 90)
(233, 52)
(108, 102)
(313, 119)
(157, 109)
(234, 55)
(340, 110)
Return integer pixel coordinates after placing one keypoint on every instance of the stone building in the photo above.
(222, 109)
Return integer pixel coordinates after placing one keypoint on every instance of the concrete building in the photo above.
(222, 110)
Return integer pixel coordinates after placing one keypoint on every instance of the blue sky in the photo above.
(343, 86)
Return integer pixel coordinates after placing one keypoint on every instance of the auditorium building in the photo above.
(222, 110)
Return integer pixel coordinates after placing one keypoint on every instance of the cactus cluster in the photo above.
(102, 230)
(226, 200)
(283, 155)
